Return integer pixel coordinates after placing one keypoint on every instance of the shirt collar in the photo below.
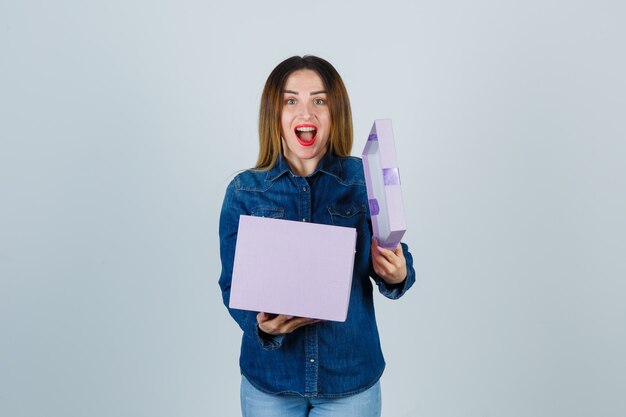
(329, 164)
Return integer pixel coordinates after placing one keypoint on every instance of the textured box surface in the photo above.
(293, 268)
(382, 177)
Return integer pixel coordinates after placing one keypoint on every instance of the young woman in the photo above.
(296, 366)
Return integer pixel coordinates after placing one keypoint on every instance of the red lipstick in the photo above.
(306, 134)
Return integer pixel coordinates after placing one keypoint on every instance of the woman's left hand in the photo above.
(389, 265)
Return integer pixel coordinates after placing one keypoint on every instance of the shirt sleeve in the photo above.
(232, 208)
(395, 291)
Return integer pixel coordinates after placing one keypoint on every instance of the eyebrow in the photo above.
(312, 93)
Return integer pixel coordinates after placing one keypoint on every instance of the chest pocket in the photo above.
(270, 212)
(348, 215)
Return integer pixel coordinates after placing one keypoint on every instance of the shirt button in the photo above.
(311, 360)
(304, 189)
(303, 220)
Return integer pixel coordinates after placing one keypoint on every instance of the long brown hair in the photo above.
(272, 106)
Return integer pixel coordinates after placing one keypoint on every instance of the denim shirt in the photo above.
(326, 359)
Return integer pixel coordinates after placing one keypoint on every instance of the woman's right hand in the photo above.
(281, 324)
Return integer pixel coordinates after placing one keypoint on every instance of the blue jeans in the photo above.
(255, 403)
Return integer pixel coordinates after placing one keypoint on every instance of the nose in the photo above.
(306, 110)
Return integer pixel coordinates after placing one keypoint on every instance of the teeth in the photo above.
(305, 129)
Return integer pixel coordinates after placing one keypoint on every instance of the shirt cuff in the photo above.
(268, 341)
(392, 291)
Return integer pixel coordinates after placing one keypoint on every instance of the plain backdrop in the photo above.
(122, 122)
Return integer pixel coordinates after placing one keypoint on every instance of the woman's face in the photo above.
(305, 121)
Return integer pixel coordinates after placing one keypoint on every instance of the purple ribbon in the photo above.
(374, 209)
(391, 176)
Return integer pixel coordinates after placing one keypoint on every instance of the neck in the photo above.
(302, 167)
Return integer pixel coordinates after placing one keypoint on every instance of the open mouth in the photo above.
(306, 134)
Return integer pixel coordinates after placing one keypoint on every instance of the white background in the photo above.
(121, 123)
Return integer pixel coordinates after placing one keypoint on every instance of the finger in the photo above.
(376, 248)
(278, 320)
(381, 267)
(271, 323)
(389, 268)
(266, 316)
(381, 272)
(382, 252)
(264, 323)
(395, 259)
(296, 323)
(379, 264)
(281, 323)
(400, 256)
(389, 255)
(377, 256)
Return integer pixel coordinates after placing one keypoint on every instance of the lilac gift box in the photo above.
(382, 177)
(293, 268)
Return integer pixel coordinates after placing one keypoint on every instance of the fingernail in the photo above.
(289, 317)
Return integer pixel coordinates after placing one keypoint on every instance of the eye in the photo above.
(319, 101)
(290, 101)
